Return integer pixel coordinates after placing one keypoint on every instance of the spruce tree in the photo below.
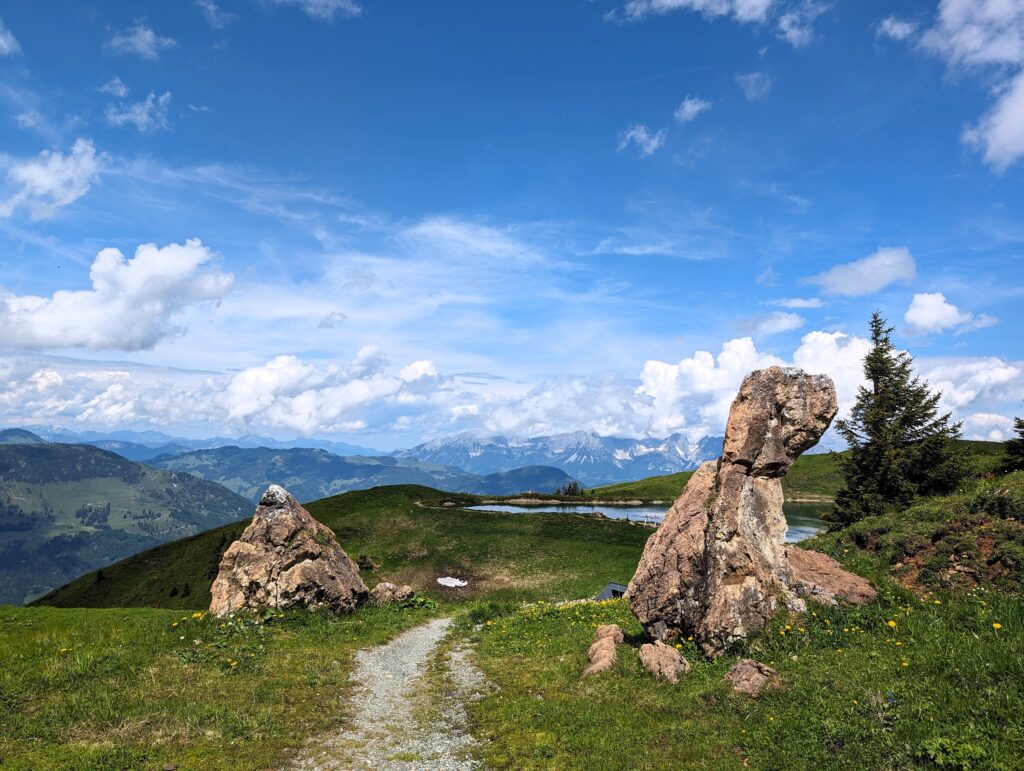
(900, 446)
(1015, 448)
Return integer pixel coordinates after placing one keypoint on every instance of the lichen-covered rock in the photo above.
(717, 567)
(386, 592)
(284, 559)
(751, 677)
(602, 651)
(663, 661)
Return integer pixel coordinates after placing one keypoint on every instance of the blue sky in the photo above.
(393, 221)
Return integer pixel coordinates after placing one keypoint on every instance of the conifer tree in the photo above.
(1015, 448)
(900, 446)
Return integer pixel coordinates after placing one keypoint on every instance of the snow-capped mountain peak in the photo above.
(584, 455)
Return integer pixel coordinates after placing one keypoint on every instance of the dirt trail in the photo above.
(396, 723)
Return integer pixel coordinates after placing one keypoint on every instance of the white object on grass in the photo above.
(449, 581)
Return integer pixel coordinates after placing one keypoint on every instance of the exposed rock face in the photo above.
(820, 577)
(751, 677)
(286, 558)
(601, 654)
(717, 567)
(385, 592)
(663, 661)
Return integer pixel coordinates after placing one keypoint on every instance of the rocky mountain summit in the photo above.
(286, 558)
(718, 566)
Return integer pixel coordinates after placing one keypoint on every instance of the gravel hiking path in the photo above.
(396, 722)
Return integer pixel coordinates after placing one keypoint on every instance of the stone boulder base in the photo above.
(602, 651)
(821, 578)
(663, 661)
(751, 677)
(285, 559)
(385, 593)
(717, 568)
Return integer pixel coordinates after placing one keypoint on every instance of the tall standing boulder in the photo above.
(717, 568)
(284, 559)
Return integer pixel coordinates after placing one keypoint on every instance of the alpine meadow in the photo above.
(612, 385)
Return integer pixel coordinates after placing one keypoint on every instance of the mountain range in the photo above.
(310, 473)
(592, 459)
(144, 445)
(66, 509)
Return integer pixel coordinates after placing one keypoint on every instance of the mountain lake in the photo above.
(804, 519)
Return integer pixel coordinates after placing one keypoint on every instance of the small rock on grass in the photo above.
(601, 653)
(751, 677)
(663, 661)
(386, 592)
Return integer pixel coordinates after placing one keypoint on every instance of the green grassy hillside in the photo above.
(501, 555)
(812, 478)
(928, 676)
(68, 509)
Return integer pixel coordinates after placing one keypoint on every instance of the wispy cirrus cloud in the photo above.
(150, 114)
(647, 142)
(139, 40)
(51, 180)
(9, 45)
(324, 10)
(755, 85)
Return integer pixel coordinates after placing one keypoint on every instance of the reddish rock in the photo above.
(602, 651)
(284, 559)
(386, 592)
(663, 661)
(717, 567)
(751, 677)
(818, 576)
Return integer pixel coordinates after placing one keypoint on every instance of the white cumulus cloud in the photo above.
(52, 179)
(139, 40)
(932, 312)
(131, 305)
(777, 321)
(986, 37)
(869, 274)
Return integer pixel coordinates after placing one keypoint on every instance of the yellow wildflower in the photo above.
(891, 624)
(906, 663)
(997, 625)
(938, 602)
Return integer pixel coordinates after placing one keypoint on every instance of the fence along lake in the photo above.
(804, 519)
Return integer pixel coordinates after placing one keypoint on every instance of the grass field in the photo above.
(141, 688)
(812, 478)
(941, 689)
